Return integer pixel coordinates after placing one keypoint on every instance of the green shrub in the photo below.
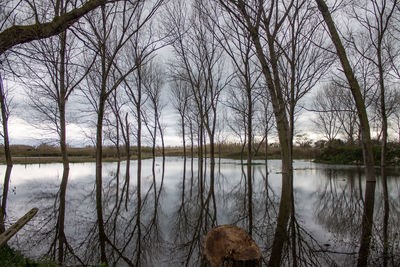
(346, 154)
(13, 258)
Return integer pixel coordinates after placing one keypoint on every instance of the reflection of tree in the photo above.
(138, 233)
(341, 206)
(366, 224)
(122, 242)
(338, 207)
(181, 236)
(386, 233)
(194, 218)
(293, 243)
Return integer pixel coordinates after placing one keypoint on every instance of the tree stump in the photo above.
(228, 245)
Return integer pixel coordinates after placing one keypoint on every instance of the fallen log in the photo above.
(10, 232)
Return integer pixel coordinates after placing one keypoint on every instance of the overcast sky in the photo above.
(24, 130)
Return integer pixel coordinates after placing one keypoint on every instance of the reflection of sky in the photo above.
(35, 185)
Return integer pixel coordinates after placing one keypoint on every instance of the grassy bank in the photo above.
(333, 154)
(11, 257)
(23, 154)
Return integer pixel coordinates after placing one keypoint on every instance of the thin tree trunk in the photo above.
(153, 149)
(119, 159)
(99, 178)
(128, 161)
(183, 135)
(382, 108)
(162, 138)
(266, 151)
(7, 152)
(191, 157)
(385, 217)
(139, 167)
(99, 147)
(249, 160)
(64, 152)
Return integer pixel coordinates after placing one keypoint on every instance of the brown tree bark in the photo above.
(228, 245)
(19, 34)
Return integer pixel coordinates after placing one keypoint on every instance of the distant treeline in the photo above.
(333, 153)
(48, 153)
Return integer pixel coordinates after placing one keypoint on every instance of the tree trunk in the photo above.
(355, 90)
(266, 152)
(99, 178)
(382, 108)
(278, 104)
(153, 150)
(99, 145)
(64, 152)
(231, 246)
(386, 214)
(128, 161)
(139, 167)
(366, 225)
(7, 152)
(249, 160)
(183, 135)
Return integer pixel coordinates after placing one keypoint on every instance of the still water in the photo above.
(178, 207)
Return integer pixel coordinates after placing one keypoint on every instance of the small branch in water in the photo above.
(10, 232)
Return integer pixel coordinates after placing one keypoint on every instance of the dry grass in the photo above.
(24, 154)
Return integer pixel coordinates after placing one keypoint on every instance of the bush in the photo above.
(346, 154)
(11, 257)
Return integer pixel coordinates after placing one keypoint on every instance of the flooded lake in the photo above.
(178, 208)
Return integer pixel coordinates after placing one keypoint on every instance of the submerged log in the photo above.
(4, 237)
(228, 245)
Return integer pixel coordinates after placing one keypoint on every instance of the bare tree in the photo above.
(365, 132)
(180, 100)
(267, 121)
(302, 44)
(264, 20)
(326, 106)
(236, 41)
(375, 20)
(355, 90)
(140, 50)
(153, 85)
(237, 120)
(153, 82)
(55, 58)
(112, 28)
(121, 127)
(12, 34)
(199, 62)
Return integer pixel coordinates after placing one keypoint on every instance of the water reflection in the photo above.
(181, 200)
